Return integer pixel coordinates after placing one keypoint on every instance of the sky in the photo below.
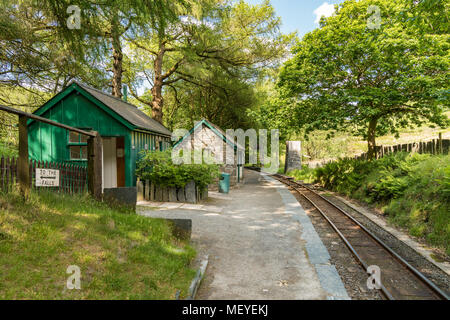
(301, 15)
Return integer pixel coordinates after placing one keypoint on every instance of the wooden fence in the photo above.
(72, 178)
(435, 146)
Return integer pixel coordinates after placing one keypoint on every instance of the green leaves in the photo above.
(211, 59)
(159, 169)
(412, 189)
(345, 75)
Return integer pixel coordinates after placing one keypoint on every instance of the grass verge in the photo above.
(121, 256)
(413, 190)
(307, 175)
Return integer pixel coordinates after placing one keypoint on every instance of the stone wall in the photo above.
(121, 197)
(293, 156)
(205, 139)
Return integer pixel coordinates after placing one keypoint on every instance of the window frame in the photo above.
(78, 144)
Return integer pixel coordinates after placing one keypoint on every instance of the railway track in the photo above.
(399, 280)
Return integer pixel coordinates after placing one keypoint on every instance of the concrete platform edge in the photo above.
(317, 252)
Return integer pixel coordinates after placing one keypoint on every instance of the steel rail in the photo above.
(417, 273)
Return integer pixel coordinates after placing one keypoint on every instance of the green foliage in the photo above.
(210, 59)
(159, 168)
(347, 77)
(34, 54)
(428, 16)
(412, 189)
(8, 151)
(446, 182)
(344, 176)
(388, 187)
(121, 256)
(306, 174)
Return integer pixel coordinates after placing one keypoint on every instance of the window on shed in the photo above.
(78, 152)
(75, 137)
(77, 146)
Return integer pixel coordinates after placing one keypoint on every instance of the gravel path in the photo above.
(255, 249)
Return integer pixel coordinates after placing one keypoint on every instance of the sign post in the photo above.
(47, 178)
(23, 167)
(95, 169)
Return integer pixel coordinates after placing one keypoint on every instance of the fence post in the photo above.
(441, 149)
(32, 170)
(23, 162)
(13, 170)
(95, 169)
(2, 170)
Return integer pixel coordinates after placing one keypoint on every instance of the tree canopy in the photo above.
(347, 76)
(235, 40)
(228, 62)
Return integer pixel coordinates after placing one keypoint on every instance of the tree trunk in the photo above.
(371, 136)
(157, 101)
(157, 97)
(118, 60)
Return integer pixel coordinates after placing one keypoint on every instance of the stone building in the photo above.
(222, 149)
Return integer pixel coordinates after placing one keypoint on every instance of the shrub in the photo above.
(413, 189)
(306, 174)
(8, 151)
(344, 176)
(159, 168)
(389, 187)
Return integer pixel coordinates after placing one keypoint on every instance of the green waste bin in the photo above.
(224, 183)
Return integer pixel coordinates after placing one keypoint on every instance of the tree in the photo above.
(235, 37)
(346, 75)
(428, 16)
(34, 62)
(222, 100)
(105, 24)
(34, 55)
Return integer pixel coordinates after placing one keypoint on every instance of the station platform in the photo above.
(260, 242)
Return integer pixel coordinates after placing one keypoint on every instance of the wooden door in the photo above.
(120, 144)
(109, 163)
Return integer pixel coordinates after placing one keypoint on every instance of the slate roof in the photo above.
(216, 129)
(127, 111)
(229, 138)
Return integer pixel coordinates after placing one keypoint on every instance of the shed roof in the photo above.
(217, 130)
(125, 110)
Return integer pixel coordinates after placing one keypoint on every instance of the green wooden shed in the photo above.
(125, 132)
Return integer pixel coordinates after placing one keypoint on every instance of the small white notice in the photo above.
(47, 178)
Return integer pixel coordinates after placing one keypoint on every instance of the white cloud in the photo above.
(325, 10)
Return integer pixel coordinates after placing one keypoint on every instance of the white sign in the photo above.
(47, 178)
